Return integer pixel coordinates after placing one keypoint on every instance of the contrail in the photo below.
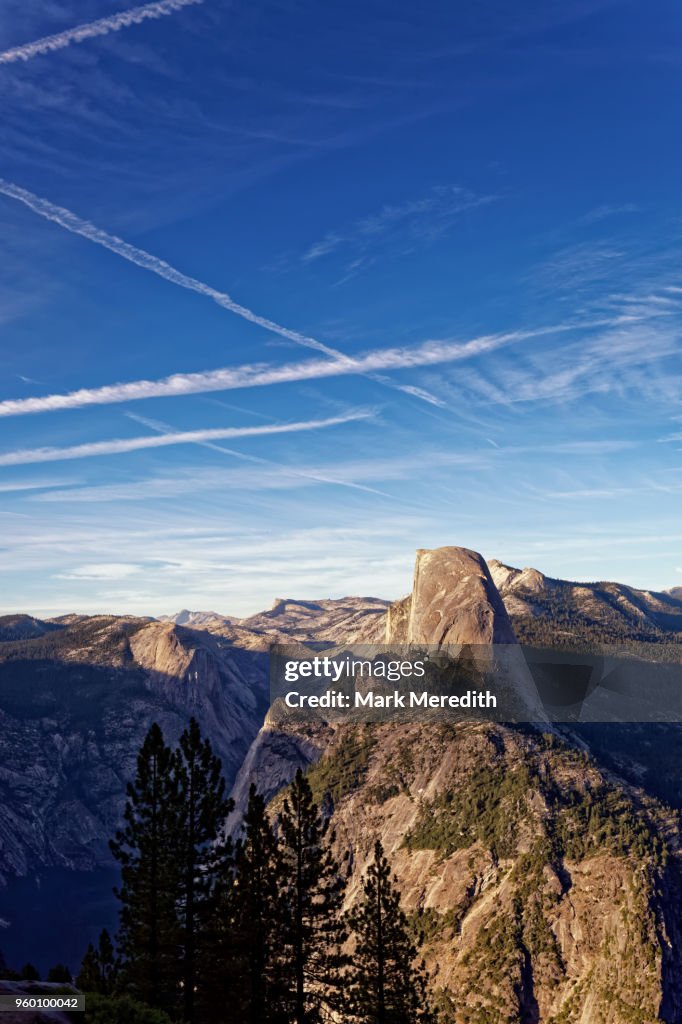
(102, 27)
(429, 353)
(165, 428)
(132, 444)
(71, 222)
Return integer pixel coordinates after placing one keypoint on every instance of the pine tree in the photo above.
(99, 969)
(203, 810)
(387, 985)
(29, 973)
(247, 966)
(88, 977)
(146, 848)
(314, 897)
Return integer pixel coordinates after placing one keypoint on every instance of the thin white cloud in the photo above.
(306, 476)
(426, 396)
(77, 226)
(401, 227)
(265, 475)
(121, 446)
(633, 356)
(18, 486)
(607, 210)
(101, 571)
(429, 353)
(101, 27)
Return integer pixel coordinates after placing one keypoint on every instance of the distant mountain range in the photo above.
(342, 619)
(541, 609)
(542, 869)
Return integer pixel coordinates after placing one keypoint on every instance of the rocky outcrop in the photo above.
(398, 621)
(272, 761)
(454, 601)
(545, 888)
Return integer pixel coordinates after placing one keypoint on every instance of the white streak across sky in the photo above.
(121, 446)
(77, 226)
(429, 353)
(101, 27)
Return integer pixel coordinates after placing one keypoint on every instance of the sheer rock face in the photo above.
(398, 621)
(454, 601)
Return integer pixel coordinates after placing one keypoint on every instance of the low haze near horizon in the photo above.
(288, 291)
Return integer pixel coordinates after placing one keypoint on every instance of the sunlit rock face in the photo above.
(454, 601)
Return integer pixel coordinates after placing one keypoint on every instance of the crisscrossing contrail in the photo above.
(78, 226)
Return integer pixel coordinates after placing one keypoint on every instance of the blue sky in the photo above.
(288, 290)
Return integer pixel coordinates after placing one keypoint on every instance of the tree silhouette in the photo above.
(99, 969)
(314, 897)
(147, 850)
(203, 809)
(247, 975)
(387, 986)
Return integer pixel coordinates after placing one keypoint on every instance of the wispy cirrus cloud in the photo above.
(20, 486)
(607, 210)
(267, 475)
(102, 571)
(399, 228)
(633, 356)
(306, 476)
(92, 29)
(120, 446)
(429, 353)
(77, 226)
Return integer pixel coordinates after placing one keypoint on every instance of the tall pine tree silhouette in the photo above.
(202, 810)
(246, 979)
(387, 985)
(100, 966)
(146, 848)
(314, 896)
